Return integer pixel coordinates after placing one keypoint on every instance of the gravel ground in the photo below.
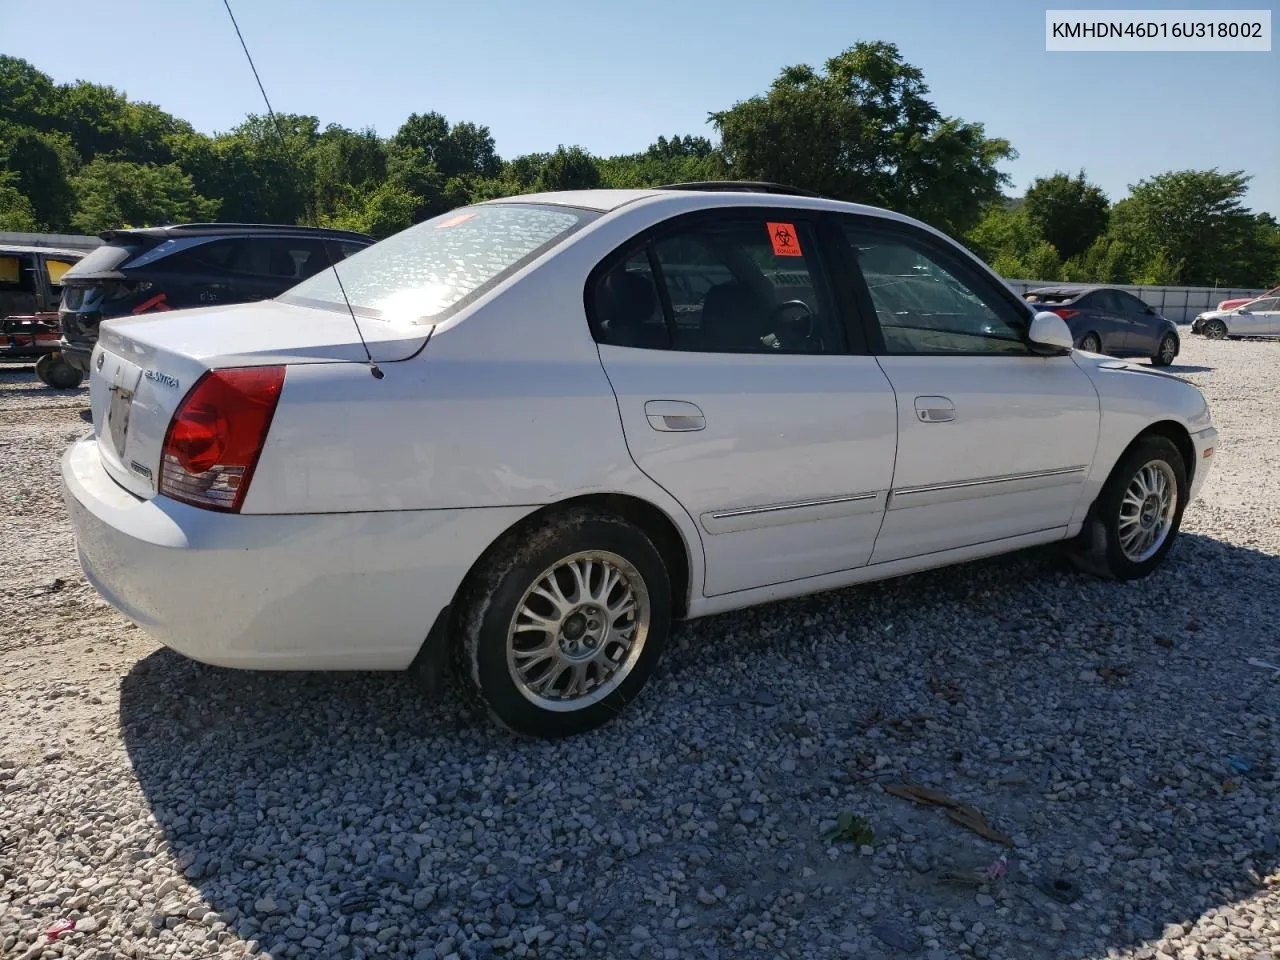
(1116, 734)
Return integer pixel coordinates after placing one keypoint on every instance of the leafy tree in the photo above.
(1191, 222)
(461, 150)
(28, 98)
(117, 193)
(571, 169)
(386, 210)
(864, 130)
(1108, 260)
(678, 160)
(40, 165)
(1068, 212)
(16, 212)
(344, 162)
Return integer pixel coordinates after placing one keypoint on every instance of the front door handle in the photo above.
(674, 416)
(935, 409)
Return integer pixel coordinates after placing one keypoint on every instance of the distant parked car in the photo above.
(189, 265)
(1253, 318)
(1111, 321)
(1241, 301)
(30, 288)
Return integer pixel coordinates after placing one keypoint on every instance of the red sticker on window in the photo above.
(454, 221)
(785, 240)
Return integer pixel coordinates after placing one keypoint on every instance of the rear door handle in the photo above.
(674, 416)
(935, 409)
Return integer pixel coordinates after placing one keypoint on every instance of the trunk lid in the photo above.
(143, 367)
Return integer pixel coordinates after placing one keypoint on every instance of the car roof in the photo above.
(697, 196)
(172, 231)
(51, 251)
(1076, 289)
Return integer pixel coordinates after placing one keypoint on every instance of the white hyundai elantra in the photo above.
(525, 436)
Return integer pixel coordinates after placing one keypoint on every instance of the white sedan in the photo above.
(524, 437)
(1257, 318)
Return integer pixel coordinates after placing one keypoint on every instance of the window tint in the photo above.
(1131, 304)
(627, 307)
(723, 285)
(1109, 301)
(1264, 306)
(927, 302)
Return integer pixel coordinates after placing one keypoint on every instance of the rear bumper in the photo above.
(1205, 441)
(354, 591)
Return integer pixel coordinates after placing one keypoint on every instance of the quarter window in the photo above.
(722, 285)
(926, 302)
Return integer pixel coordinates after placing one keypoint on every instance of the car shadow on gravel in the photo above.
(343, 814)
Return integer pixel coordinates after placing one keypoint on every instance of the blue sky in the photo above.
(611, 76)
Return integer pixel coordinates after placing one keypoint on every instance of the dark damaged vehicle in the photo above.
(189, 265)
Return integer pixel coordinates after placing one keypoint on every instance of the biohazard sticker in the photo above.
(454, 221)
(785, 240)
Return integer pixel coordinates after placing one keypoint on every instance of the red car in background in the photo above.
(1241, 301)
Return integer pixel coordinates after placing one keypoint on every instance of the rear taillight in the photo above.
(1064, 313)
(216, 435)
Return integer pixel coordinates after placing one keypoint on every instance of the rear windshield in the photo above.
(103, 259)
(427, 271)
(1052, 297)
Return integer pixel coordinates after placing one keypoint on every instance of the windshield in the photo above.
(428, 270)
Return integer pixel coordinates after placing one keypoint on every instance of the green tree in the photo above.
(864, 130)
(40, 165)
(1069, 212)
(463, 149)
(118, 193)
(1191, 222)
(345, 163)
(16, 212)
(28, 98)
(678, 160)
(571, 169)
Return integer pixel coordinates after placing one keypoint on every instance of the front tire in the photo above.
(563, 623)
(1136, 518)
(1167, 351)
(42, 368)
(1215, 330)
(1091, 343)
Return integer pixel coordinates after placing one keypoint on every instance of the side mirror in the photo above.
(1150, 311)
(1050, 330)
(1242, 310)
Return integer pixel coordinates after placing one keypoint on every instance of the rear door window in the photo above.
(728, 283)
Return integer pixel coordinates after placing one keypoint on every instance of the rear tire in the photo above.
(1166, 352)
(1135, 520)
(42, 368)
(63, 376)
(1091, 343)
(562, 623)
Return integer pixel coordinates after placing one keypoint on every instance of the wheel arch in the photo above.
(1174, 432)
(650, 519)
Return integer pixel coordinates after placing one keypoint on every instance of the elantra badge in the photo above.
(155, 376)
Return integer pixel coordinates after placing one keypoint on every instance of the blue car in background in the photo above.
(1110, 321)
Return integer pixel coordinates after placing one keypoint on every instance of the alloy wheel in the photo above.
(578, 631)
(1147, 511)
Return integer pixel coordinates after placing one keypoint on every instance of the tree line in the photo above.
(83, 157)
